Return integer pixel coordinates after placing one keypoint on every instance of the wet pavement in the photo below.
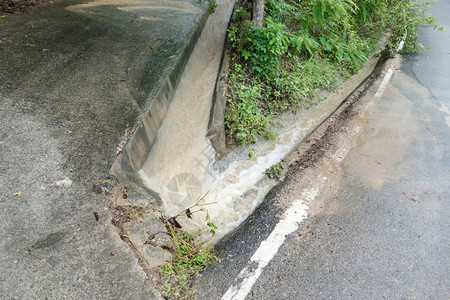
(379, 227)
(74, 75)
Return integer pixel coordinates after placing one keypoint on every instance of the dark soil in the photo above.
(13, 6)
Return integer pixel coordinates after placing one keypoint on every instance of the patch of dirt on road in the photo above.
(13, 6)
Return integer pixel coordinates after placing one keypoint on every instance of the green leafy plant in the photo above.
(251, 153)
(305, 46)
(212, 6)
(274, 171)
(190, 258)
(245, 118)
(198, 206)
(191, 255)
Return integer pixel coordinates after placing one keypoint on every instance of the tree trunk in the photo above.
(258, 12)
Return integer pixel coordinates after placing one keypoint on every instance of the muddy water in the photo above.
(390, 130)
(178, 165)
(181, 168)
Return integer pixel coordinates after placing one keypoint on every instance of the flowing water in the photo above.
(181, 167)
(178, 166)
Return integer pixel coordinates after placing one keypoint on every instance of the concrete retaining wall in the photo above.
(138, 143)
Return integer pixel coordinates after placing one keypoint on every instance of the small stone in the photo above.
(163, 239)
(66, 182)
(156, 256)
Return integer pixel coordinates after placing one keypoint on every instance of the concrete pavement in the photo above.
(74, 76)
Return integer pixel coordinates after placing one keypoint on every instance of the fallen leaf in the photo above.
(18, 193)
(412, 197)
(44, 50)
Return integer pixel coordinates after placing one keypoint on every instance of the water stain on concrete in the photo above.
(49, 240)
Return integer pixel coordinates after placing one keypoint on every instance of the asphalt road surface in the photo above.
(378, 220)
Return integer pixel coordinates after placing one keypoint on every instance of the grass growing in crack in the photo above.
(190, 258)
(191, 255)
(212, 6)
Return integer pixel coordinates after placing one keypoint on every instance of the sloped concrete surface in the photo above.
(74, 75)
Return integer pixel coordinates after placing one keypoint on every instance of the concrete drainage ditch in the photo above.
(176, 153)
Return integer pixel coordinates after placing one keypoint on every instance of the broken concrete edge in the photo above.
(142, 228)
(136, 144)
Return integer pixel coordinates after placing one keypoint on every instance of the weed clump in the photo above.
(190, 254)
(303, 47)
(190, 258)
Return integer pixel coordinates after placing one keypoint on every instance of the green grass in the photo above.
(190, 255)
(190, 258)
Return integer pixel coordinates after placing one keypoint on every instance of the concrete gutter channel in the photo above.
(135, 145)
(149, 244)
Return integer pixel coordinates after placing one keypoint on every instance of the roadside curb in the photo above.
(289, 139)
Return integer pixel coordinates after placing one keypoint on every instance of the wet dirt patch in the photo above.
(14, 6)
(318, 161)
(382, 158)
(49, 240)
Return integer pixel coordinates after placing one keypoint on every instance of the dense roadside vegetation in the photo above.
(304, 46)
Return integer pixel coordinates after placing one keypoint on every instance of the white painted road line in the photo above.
(384, 83)
(289, 222)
